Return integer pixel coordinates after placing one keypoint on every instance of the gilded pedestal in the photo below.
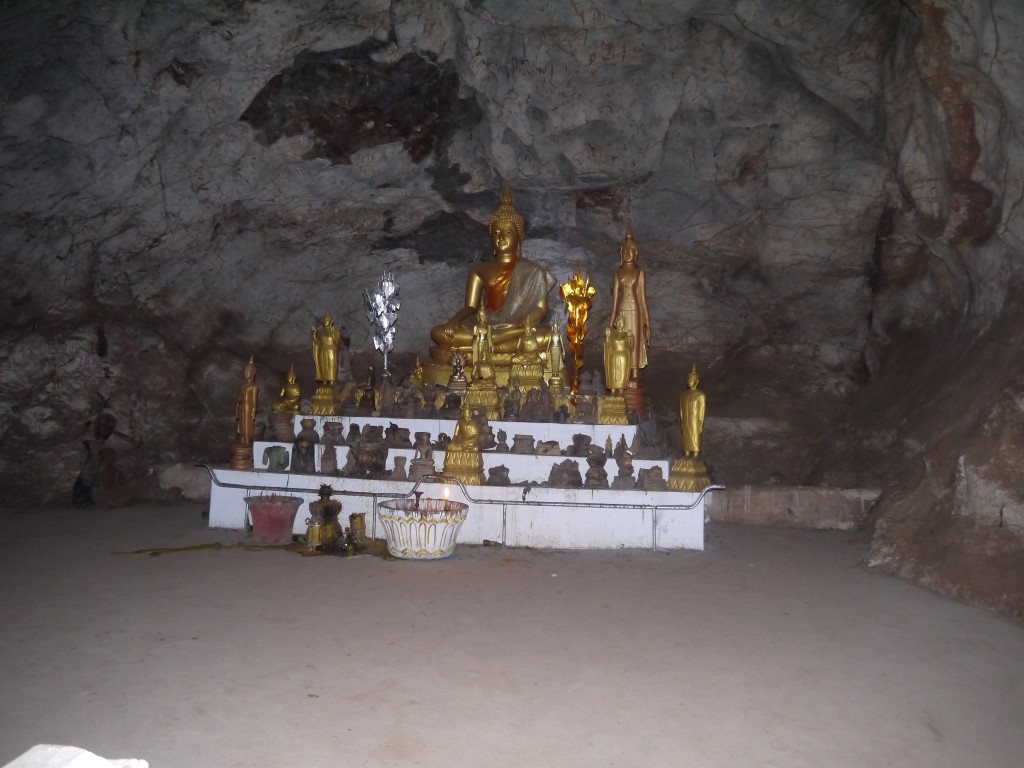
(528, 375)
(324, 401)
(466, 466)
(482, 396)
(688, 474)
(241, 456)
(612, 410)
(462, 458)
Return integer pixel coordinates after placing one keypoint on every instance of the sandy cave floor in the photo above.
(770, 648)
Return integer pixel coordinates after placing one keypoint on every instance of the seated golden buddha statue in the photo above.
(291, 395)
(513, 290)
(527, 371)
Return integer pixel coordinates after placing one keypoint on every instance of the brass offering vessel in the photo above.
(323, 531)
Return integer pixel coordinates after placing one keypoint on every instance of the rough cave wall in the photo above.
(827, 204)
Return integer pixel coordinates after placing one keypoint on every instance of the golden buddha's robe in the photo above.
(528, 287)
(618, 352)
(629, 284)
(325, 351)
(691, 416)
(245, 409)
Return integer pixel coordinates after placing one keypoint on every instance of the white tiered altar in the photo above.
(516, 515)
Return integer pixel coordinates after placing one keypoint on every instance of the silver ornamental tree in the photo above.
(382, 307)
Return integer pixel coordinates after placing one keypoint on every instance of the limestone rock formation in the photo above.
(827, 204)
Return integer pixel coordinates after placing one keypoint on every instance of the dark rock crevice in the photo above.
(347, 100)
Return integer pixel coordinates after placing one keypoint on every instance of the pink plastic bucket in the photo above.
(273, 518)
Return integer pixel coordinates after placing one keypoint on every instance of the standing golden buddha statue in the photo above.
(325, 350)
(245, 418)
(618, 354)
(513, 290)
(629, 302)
(482, 393)
(326, 339)
(689, 473)
(556, 359)
(482, 347)
(691, 414)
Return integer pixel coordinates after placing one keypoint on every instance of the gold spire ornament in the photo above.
(578, 294)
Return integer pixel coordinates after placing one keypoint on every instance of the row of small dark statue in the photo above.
(368, 449)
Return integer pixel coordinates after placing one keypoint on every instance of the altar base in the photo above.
(467, 467)
(516, 515)
(483, 396)
(548, 518)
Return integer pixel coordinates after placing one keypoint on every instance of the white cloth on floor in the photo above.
(54, 756)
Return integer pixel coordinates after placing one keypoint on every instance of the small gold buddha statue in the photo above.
(290, 398)
(482, 348)
(629, 302)
(462, 458)
(556, 359)
(245, 418)
(482, 394)
(416, 377)
(325, 355)
(689, 472)
(527, 368)
(245, 410)
(691, 414)
(513, 290)
(325, 350)
(618, 354)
